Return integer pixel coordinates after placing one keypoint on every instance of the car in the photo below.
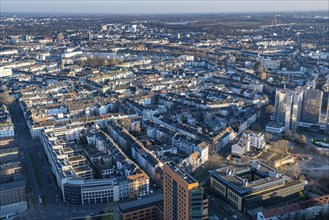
(139, 198)
(235, 216)
(40, 200)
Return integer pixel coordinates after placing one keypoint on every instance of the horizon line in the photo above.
(159, 13)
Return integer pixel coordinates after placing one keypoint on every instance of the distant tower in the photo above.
(274, 23)
(90, 36)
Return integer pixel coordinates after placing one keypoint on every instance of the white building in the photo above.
(254, 139)
(270, 64)
(275, 127)
(6, 131)
(248, 140)
(238, 149)
(5, 72)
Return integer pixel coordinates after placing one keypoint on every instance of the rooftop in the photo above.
(144, 202)
(185, 176)
(294, 207)
(250, 176)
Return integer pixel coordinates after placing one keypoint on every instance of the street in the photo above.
(223, 210)
(43, 196)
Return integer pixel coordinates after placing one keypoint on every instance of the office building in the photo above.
(312, 105)
(148, 208)
(252, 184)
(183, 197)
(294, 102)
(280, 104)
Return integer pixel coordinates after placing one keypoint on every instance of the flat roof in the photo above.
(141, 203)
(233, 176)
(12, 185)
(294, 207)
(184, 175)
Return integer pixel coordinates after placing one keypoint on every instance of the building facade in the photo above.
(183, 198)
(250, 185)
(312, 105)
(148, 208)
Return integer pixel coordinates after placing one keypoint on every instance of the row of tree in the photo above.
(299, 139)
(98, 62)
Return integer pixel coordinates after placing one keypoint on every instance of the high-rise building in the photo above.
(184, 199)
(299, 106)
(294, 103)
(327, 117)
(312, 105)
(280, 104)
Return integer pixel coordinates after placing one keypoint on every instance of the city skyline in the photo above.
(159, 6)
(163, 116)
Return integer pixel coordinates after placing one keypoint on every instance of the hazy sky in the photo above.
(160, 6)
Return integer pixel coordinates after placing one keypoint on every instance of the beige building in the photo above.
(250, 185)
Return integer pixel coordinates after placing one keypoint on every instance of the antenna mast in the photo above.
(274, 23)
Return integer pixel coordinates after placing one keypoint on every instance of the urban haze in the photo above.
(164, 110)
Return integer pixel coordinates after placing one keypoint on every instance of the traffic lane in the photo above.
(223, 210)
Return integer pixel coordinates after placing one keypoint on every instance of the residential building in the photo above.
(315, 208)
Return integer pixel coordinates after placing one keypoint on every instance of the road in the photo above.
(40, 181)
(36, 170)
(223, 210)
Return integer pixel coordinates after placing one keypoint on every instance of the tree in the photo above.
(303, 139)
(296, 137)
(184, 119)
(270, 109)
(302, 178)
(256, 127)
(281, 146)
(6, 98)
(260, 70)
(289, 134)
(295, 171)
(268, 137)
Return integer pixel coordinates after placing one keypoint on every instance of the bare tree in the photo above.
(295, 171)
(289, 134)
(270, 109)
(296, 137)
(303, 139)
(6, 98)
(281, 146)
(268, 137)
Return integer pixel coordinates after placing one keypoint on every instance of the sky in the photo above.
(160, 6)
